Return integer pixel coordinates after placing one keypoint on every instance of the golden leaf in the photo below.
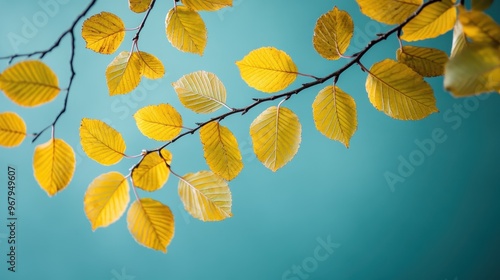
(123, 74)
(206, 196)
(29, 83)
(267, 69)
(476, 69)
(333, 33)
(53, 165)
(151, 66)
(151, 223)
(435, 19)
(152, 172)
(399, 92)
(459, 40)
(276, 136)
(12, 129)
(334, 114)
(201, 92)
(159, 122)
(221, 150)
(106, 199)
(103, 32)
(139, 6)
(101, 142)
(428, 62)
(207, 5)
(186, 30)
(389, 11)
(479, 27)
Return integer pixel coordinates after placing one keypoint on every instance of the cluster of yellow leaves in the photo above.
(32, 83)
(474, 66)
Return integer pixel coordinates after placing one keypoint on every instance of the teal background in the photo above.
(440, 223)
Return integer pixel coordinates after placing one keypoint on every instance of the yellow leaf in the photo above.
(276, 135)
(103, 32)
(159, 122)
(123, 74)
(151, 66)
(459, 40)
(186, 30)
(399, 92)
(101, 142)
(334, 114)
(207, 5)
(428, 62)
(29, 83)
(436, 19)
(267, 69)
(106, 199)
(139, 6)
(479, 27)
(12, 129)
(151, 224)
(474, 70)
(206, 196)
(333, 33)
(389, 11)
(201, 92)
(152, 172)
(54, 164)
(481, 5)
(221, 150)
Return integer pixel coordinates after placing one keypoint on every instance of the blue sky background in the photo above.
(440, 223)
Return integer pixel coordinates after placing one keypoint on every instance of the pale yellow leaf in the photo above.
(54, 163)
(207, 5)
(476, 69)
(276, 136)
(267, 69)
(186, 30)
(206, 196)
(333, 33)
(459, 40)
(221, 150)
(151, 223)
(436, 19)
(334, 113)
(101, 142)
(201, 92)
(12, 129)
(151, 66)
(103, 32)
(389, 11)
(481, 5)
(106, 199)
(29, 83)
(399, 92)
(152, 172)
(123, 74)
(479, 27)
(428, 62)
(139, 6)
(159, 122)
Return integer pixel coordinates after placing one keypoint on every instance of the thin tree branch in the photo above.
(69, 32)
(335, 75)
(141, 26)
